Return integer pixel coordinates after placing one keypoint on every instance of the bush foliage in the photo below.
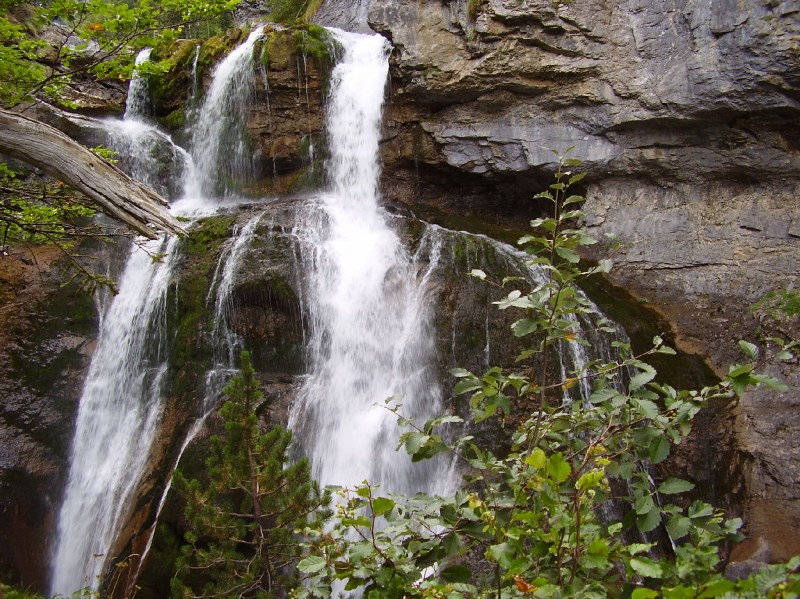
(572, 510)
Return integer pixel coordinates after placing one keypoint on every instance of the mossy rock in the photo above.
(170, 89)
(281, 48)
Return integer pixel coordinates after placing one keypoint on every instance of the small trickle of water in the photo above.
(137, 105)
(225, 342)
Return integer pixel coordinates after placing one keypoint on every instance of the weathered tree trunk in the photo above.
(115, 193)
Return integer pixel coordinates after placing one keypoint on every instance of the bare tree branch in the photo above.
(114, 192)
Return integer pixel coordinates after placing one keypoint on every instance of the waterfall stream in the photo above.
(121, 403)
(116, 422)
(370, 328)
(220, 146)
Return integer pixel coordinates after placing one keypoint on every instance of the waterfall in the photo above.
(370, 333)
(146, 153)
(115, 423)
(225, 343)
(138, 103)
(121, 403)
(220, 149)
(366, 300)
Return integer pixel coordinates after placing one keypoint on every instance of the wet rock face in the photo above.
(686, 117)
(46, 340)
(350, 15)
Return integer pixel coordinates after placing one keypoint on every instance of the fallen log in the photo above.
(113, 191)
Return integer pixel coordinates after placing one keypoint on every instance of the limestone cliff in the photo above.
(686, 114)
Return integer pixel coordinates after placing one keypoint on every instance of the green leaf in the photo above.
(700, 509)
(641, 593)
(750, 350)
(460, 372)
(537, 459)
(414, 442)
(467, 385)
(644, 505)
(310, 564)
(638, 380)
(381, 505)
(602, 395)
(672, 486)
(720, 586)
(737, 370)
(659, 450)
(451, 544)
(637, 548)
(647, 408)
(646, 567)
(456, 573)
(567, 254)
(558, 468)
(358, 552)
(679, 527)
(502, 553)
(649, 521)
(478, 274)
(524, 326)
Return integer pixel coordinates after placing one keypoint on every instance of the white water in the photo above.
(137, 104)
(370, 327)
(120, 407)
(367, 306)
(115, 425)
(222, 156)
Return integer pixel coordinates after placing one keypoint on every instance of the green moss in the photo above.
(316, 42)
(289, 12)
(175, 119)
(169, 82)
(785, 302)
(281, 47)
(473, 8)
(191, 317)
(208, 235)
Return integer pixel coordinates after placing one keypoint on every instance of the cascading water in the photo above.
(225, 342)
(145, 152)
(366, 299)
(220, 150)
(115, 423)
(137, 104)
(121, 403)
(370, 336)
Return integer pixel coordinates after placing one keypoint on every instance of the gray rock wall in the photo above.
(687, 116)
